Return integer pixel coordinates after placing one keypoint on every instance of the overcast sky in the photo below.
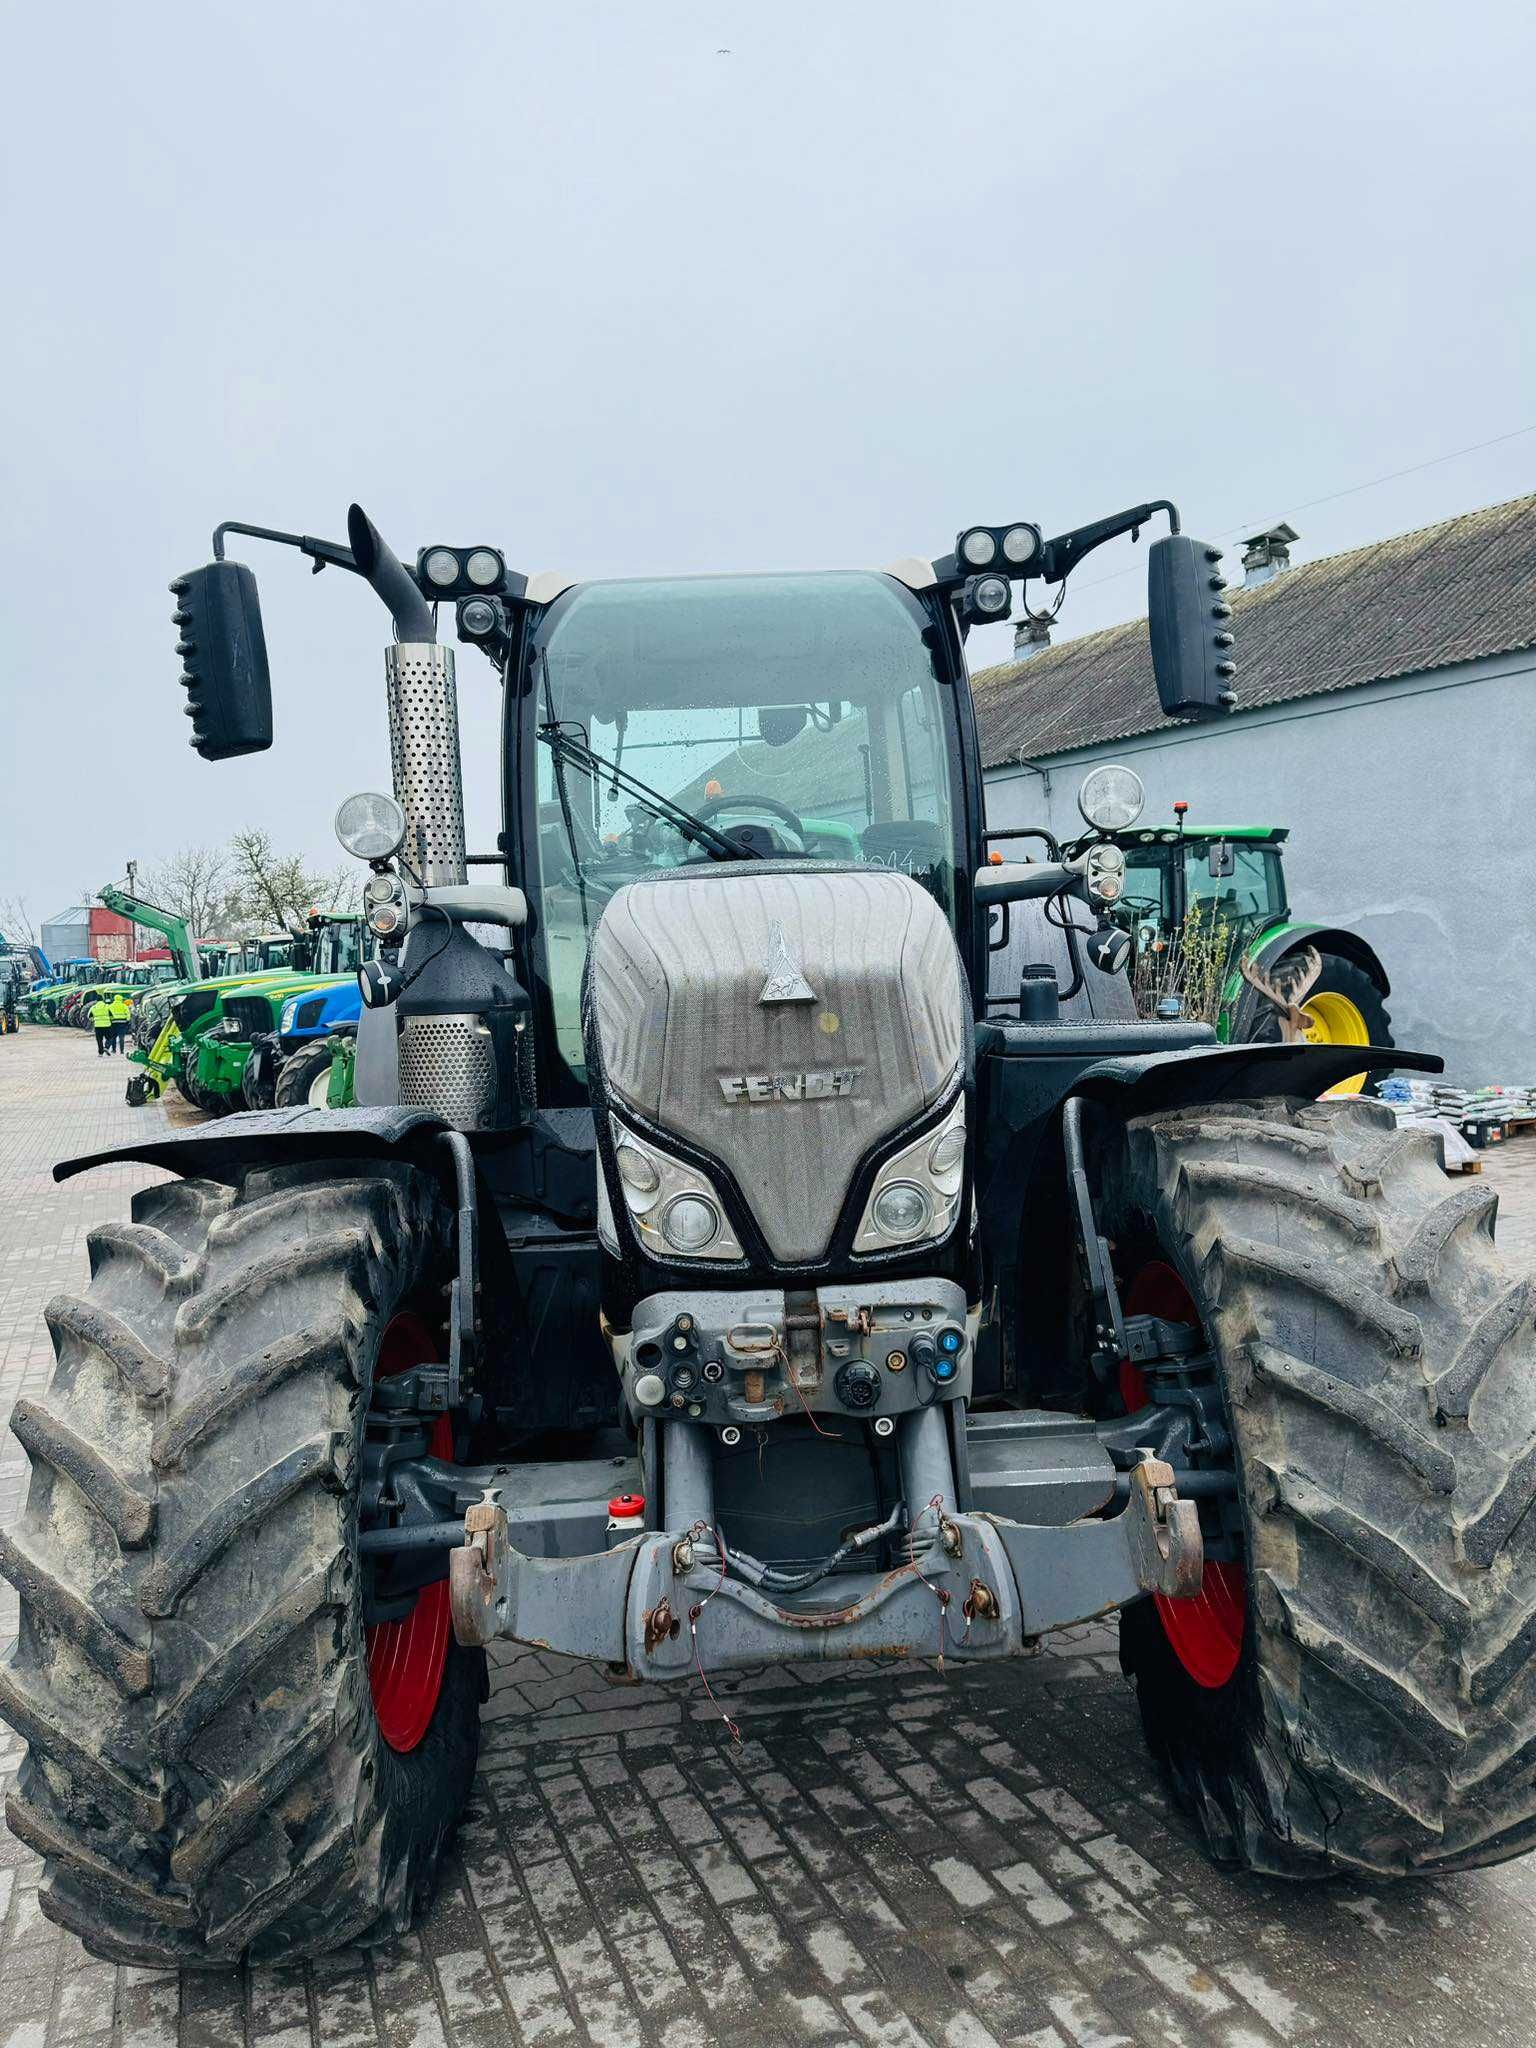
(687, 286)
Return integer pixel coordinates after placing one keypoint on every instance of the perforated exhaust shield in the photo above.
(448, 1064)
(424, 756)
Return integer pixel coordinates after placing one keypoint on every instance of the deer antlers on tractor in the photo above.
(1285, 986)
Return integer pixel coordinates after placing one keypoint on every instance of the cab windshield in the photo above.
(755, 717)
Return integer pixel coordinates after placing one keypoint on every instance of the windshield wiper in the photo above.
(579, 755)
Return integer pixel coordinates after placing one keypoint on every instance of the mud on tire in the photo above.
(206, 1779)
(1380, 1376)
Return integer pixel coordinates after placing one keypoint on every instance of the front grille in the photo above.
(448, 1064)
(249, 1014)
(188, 1008)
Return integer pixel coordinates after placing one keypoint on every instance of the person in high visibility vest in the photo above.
(122, 1010)
(101, 1024)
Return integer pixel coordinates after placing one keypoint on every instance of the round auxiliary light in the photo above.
(902, 1211)
(689, 1222)
(370, 825)
(947, 1153)
(636, 1171)
(385, 918)
(990, 594)
(978, 547)
(379, 888)
(1111, 797)
(478, 616)
(1019, 543)
(441, 566)
(482, 567)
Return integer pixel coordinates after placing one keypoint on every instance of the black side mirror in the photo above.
(1221, 860)
(224, 656)
(1189, 623)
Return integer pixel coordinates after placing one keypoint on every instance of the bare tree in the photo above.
(193, 884)
(16, 921)
(268, 885)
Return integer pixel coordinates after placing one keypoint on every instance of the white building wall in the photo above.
(1412, 823)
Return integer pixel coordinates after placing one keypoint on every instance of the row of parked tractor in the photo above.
(254, 1023)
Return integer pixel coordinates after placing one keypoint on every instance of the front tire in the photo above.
(305, 1078)
(207, 1779)
(1379, 1374)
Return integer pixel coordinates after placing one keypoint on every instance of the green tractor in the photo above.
(241, 1043)
(704, 1280)
(1214, 937)
(198, 1035)
(44, 1002)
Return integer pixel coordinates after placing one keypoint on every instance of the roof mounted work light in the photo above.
(985, 600)
(460, 572)
(1007, 548)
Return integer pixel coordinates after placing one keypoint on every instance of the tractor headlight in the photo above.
(285, 1022)
(1111, 797)
(1021, 544)
(916, 1195)
(370, 825)
(441, 566)
(675, 1209)
(690, 1223)
(978, 547)
(901, 1211)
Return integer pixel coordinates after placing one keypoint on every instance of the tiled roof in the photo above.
(1447, 593)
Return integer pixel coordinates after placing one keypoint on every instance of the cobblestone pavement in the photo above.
(900, 1858)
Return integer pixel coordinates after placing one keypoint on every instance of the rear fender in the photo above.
(1327, 938)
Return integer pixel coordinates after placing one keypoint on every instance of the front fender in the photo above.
(254, 1135)
(1137, 1084)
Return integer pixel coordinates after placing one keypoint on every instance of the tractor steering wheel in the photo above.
(713, 806)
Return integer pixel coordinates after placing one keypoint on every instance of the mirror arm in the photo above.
(320, 552)
(1060, 556)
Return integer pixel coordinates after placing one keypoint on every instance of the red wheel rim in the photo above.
(1206, 1633)
(407, 1658)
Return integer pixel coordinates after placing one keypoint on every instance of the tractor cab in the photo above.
(1230, 876)
(328, 942)
(670, 727)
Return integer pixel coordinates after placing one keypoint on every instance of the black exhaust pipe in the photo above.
(377, 560)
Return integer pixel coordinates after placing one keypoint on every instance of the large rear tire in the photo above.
(1379, 1373)
(207, 1777)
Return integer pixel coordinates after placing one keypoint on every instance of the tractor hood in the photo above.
(782, 1019)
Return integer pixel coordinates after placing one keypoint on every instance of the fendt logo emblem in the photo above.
(822, 1085)
(785, 983)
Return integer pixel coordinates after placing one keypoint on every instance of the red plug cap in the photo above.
(627, 1505)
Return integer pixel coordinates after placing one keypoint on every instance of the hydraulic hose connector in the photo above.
(424, 754)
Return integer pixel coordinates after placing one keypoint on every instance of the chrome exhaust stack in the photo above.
(423, 714)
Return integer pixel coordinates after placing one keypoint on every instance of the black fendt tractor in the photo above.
(714, 1275)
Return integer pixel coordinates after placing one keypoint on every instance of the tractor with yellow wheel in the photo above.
(1215, 938)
